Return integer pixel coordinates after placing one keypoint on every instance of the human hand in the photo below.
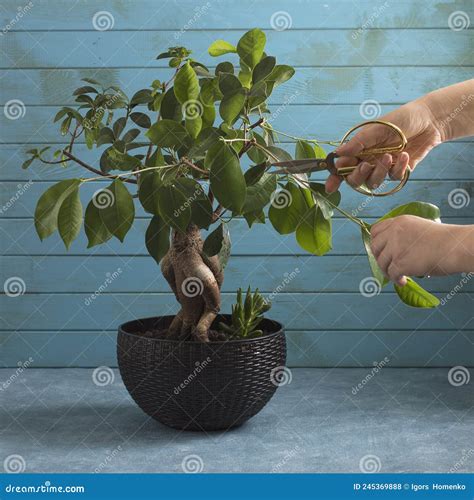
(412, 246)
(417, 123)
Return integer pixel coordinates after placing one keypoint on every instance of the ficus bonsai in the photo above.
(179, 147)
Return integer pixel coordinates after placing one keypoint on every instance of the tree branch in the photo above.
(94, 170)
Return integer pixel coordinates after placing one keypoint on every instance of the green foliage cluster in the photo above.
(180, 145)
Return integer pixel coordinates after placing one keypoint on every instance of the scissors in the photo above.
(316, 165)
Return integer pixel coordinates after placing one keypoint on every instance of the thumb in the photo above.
(367, 137)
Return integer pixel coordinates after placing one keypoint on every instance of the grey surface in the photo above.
(411, 420)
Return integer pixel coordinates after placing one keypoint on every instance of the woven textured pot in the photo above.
(196, 386)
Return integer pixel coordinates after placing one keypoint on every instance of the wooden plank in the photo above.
(351, 85)
(188, 14)
(299, 311)
(311, 348)
(270, 273)
(18, 237)
(19, 199)
(450, 161)
(312, 47)
(322, 122)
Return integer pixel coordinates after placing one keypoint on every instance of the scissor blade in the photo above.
(299, 166)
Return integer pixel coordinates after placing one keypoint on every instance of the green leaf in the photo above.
(70, 218)
(226, 177)
(220, 47)
(170, 109)
(118, 126)
(47, 209)
(106, 136)
(251, 46)
(201, 206)
(231, 106)
(27, 163)
(118, 211)
(260, 193)
(418, 208)
(287, 208)
(374, 267)
(174, 206)
(304, 150)
(168, 134)
(205, 140)
(255, 173)
(121, 161)
(263, 69)
(96, 231)
(314, 233)
(255, 153)
(213, 243)
(324, 200)
(157, 238)
(186, 84)
(229, 84)
(149, 185)
(414, 295)
(141, 97)
(131, 135)
(280, 74)
(224, 67)
(141, 119)
(85, 90)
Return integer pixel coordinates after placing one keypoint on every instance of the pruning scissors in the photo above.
(316, 165)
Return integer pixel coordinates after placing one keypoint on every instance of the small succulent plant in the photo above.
(246, 315)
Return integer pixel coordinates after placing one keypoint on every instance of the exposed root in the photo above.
(196, 281)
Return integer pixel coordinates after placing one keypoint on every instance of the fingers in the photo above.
(332, 183)
(360, 174)
(380, 171)
(398, 170)
(367, 137)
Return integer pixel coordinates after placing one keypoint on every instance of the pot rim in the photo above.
(122, 330)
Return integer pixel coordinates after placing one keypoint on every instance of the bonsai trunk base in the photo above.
(199, 386)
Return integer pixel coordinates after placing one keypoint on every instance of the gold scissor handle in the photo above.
(397, 148)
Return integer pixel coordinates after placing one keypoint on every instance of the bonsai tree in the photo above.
(178, 147)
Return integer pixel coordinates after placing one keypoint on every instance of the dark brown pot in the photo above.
(196, 386)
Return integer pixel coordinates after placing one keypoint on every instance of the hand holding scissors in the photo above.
(367, 155)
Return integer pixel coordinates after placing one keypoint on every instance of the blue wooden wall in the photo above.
(345, 53)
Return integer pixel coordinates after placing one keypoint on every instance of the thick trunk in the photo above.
(196, 281)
